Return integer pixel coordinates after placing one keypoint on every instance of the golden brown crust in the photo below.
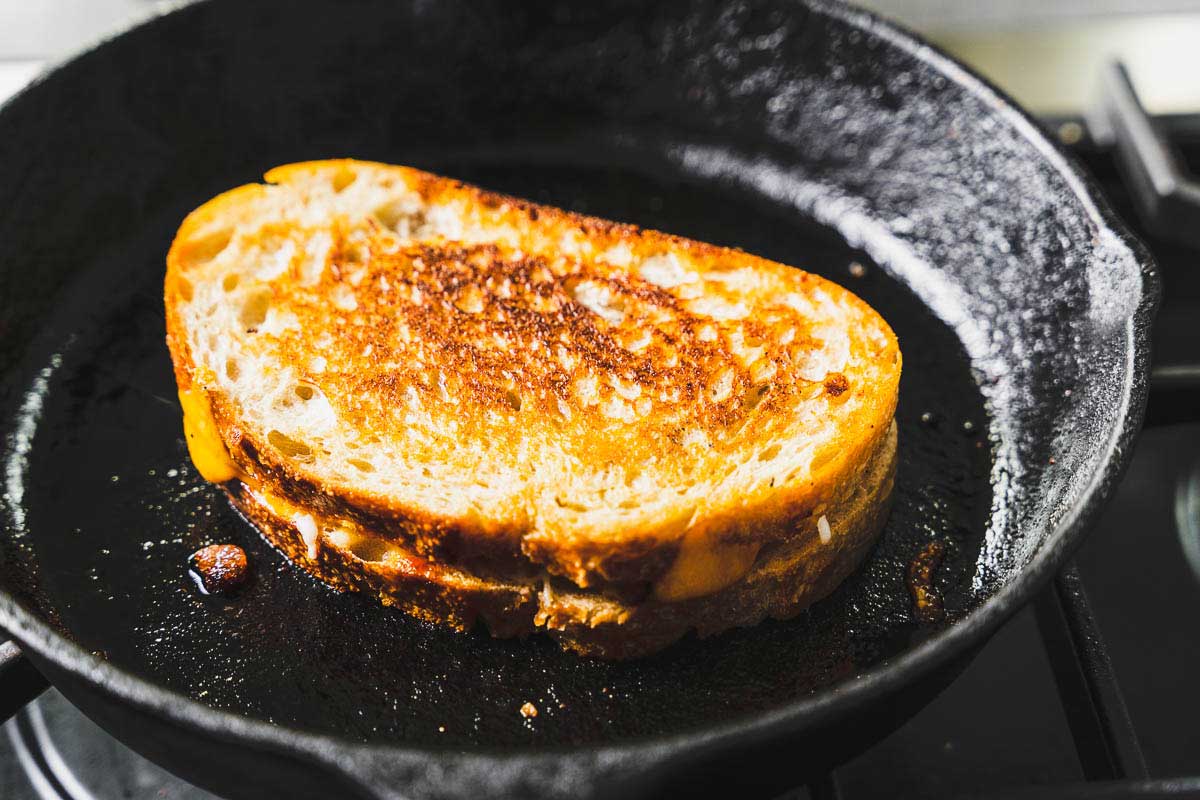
(783, 582)
(418, 587)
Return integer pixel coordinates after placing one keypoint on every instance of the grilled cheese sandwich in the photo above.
(472, 406)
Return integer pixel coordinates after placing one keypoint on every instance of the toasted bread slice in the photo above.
(520, 396)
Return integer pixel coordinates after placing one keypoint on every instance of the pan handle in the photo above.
(20, 682)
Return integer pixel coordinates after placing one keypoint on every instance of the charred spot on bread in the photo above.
(836, 384)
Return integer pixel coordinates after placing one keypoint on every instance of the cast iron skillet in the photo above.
(806, 131)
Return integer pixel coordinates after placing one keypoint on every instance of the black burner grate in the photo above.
(1105, 739)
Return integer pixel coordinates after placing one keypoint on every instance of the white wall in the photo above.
(39, 29)
(937, 16)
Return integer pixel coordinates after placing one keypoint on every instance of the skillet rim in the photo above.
(792, 718)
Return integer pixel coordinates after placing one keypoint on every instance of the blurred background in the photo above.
(1044, 52)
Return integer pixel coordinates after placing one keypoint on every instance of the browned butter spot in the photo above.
(927, 600)
(219, 568)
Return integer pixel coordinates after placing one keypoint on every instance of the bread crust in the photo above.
(784, 580)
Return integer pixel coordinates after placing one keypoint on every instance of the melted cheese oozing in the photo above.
(203, 442)
(302, 521)
(704, 566)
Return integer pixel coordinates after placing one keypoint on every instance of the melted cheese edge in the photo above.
(204, 443)
(704, 566)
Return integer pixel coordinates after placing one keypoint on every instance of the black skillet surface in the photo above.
(113, 561)
(1021, 312)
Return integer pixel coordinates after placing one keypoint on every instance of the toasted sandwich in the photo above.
(473, 407)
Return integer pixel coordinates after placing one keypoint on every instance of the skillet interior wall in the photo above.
(804, 108)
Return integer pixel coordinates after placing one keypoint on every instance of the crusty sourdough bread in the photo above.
(524, 397)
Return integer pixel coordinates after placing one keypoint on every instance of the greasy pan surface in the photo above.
(807, 134)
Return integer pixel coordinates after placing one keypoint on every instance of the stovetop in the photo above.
(1093, 691)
